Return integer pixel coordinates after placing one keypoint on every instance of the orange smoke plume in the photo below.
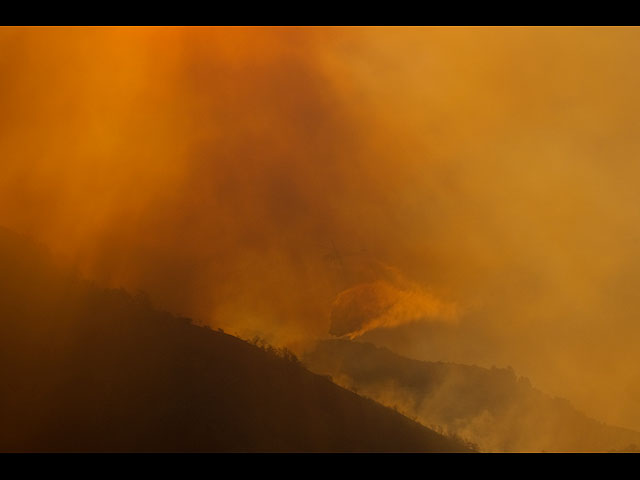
(380, 304)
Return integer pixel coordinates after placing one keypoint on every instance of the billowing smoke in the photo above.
(380, 304)
(217, 168)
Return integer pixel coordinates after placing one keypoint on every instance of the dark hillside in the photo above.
(88, 369)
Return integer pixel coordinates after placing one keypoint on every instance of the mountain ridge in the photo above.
(86, 369)
(492, 408)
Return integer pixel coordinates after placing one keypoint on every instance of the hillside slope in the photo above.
(492, 408)
(87, 369)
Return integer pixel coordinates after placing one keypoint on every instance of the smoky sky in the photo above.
(255, 178)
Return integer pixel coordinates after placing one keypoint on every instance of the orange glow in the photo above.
(252, 178)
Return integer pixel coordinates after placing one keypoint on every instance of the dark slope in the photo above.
(87, 369)
(490, 407)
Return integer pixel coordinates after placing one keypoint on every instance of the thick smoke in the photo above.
(244, 176)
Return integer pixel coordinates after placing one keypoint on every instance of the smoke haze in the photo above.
(259, 178)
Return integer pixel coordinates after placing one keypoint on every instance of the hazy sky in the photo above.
(461, 194)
